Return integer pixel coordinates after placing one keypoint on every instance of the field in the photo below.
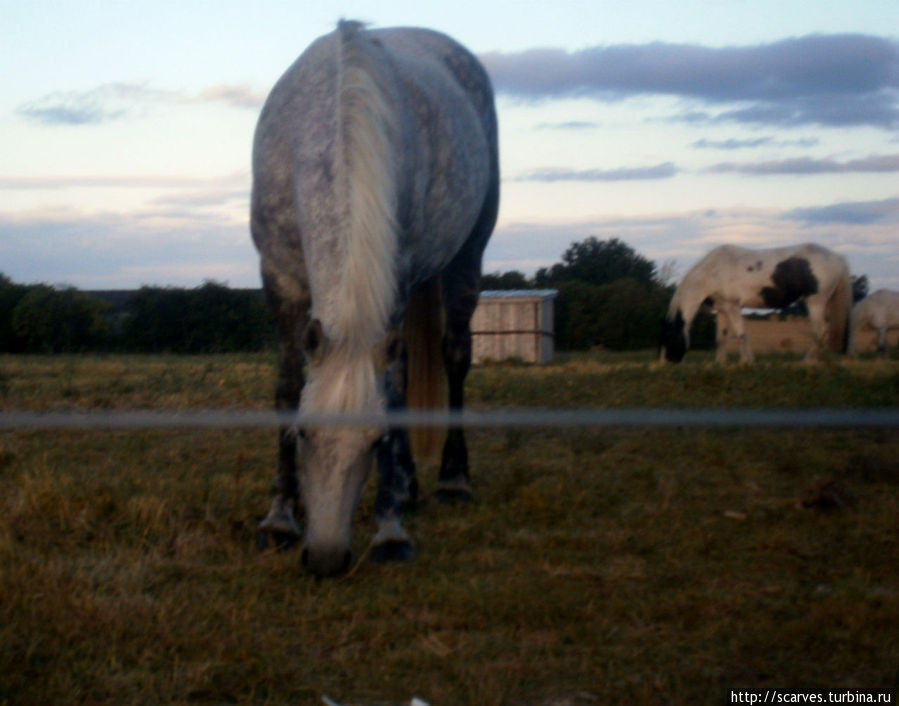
(595, 567)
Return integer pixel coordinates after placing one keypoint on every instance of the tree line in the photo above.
(608, 295)
(211, 318)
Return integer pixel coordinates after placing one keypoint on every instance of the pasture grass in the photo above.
(595, 567)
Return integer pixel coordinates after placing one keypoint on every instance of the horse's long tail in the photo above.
(426, 381)
(839, 308)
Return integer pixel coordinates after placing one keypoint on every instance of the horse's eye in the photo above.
(301, 433)
(383, 439)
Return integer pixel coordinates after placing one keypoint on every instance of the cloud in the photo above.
(111, 250)
(806, 165)
(835, 110)
(237, 96)
(569, 125)
(237, 180)
(205, 198)
(115, 101)
(167, 246)
(853, 213)
(735, 144)
(847, 79)
(95, 106)
(665, 170)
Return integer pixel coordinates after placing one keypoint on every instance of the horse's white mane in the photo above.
(344, 383)
(360, 293)
(365, 173)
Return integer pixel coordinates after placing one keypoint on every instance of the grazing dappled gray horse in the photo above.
(375, 190)
(731, 277)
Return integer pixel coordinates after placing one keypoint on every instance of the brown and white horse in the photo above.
(731, 278)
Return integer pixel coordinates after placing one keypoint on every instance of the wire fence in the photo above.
(522, 418)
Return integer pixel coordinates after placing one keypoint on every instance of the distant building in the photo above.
(514, 324)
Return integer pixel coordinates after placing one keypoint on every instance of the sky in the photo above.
(126, 128)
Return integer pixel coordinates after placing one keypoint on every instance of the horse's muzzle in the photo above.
(326, 561)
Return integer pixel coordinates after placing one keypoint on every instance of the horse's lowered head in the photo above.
(674, 338)
(336, 460)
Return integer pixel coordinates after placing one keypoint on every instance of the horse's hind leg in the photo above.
(461, 287)
(279, 528)
(460, 300)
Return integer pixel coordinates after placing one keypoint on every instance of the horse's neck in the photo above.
(689, 297)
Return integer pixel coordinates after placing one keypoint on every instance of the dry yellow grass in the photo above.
(636, 567)
(792, 336)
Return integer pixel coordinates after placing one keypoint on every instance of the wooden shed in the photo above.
(515, 324)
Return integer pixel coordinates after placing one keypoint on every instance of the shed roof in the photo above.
(519, 293)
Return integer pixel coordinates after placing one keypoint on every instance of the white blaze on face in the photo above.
(336, 460)
(336, 463)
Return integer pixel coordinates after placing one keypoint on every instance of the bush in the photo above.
(621, 315)
(10, 296)
(49, 320)
(598, 262)
(209, 319)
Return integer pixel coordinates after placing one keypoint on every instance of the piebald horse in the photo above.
(730, 278)
(375, 190)
(880, 311)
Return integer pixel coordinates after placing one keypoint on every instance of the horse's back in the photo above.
(443, 141)
(450, 144)
(293, 133)
(419, 69)
(735, 261)
(880, 308)
(766, 277)
(417, 44)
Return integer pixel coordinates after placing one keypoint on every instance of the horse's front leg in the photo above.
(397, 486)
(279, 528)
(818, 324)
(736, 327)
(722, 334)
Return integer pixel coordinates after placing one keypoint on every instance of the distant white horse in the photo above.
(880, 311)
(730, 278)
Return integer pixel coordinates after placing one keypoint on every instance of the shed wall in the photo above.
(513, 327)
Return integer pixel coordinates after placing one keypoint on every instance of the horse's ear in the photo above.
(314, 341)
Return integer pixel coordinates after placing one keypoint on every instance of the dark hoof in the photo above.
(454, 496)
(281, 541)
(392, 551)
(407, 507)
